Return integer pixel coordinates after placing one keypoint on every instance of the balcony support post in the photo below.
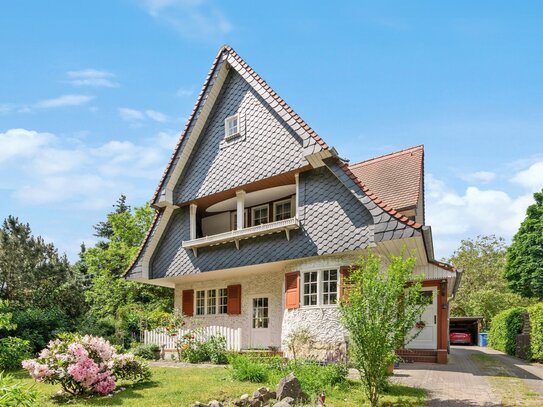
(297, 197)
(193, 208)
(240, 209)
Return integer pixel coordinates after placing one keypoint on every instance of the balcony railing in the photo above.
(285, 225)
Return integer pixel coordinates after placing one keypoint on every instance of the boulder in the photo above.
(244, 398)
(282, 404)
(255, 403)
(215, 403)
(289, 386)
(289, 400)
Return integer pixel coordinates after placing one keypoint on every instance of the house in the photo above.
(258, 219)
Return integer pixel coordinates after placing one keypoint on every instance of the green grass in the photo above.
(182, 386)
(512, 390)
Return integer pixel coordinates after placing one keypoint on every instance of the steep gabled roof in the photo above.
(395, 178)
(227, 53)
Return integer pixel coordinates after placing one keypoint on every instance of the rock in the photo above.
(273, 395)
(282, 404)
(198, 404)
(215, 403)
(263, 394)
(238, 403)
(289, 386)
(288, 400)
(255, 403)
(244, 398)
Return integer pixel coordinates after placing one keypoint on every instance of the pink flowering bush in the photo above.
(85, 364)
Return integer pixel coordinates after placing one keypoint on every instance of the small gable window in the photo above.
(231, 127)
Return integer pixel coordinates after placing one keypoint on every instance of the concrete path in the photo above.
(466, 382)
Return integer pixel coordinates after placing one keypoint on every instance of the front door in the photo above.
(260, 322)
(427, 323)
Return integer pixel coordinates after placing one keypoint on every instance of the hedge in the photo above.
(536, 334)
(504, 329)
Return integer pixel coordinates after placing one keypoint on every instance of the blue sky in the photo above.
(94, 94)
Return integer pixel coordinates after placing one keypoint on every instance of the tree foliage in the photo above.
(524, 265)
(108, 261)
(33, 274)
(483, 290)
(380, 311)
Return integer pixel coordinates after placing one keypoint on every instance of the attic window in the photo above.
(231, 127)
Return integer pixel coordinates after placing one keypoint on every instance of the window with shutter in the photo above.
(292, 290)
(188, 302)
(234, 299)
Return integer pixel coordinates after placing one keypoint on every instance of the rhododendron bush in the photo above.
(85, 364)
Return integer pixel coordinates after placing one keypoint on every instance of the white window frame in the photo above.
(227, 127)
(219, 300)
(206, 298)
(234, 224)
(253, 209)
(276, 203)
(320, 280)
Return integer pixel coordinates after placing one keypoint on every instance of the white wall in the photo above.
(212, 225)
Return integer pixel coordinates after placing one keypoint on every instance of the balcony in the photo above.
(285, 225)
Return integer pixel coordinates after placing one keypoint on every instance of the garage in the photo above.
(471, 325)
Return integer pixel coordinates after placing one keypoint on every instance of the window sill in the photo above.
(246, 233)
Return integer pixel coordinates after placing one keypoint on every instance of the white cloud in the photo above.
(531, 178)
(92, 77)
(44, 169)
(134, 115)
(65, 100)
(195, 19)
(131, 114)
(184, 92)
(483, 177)
(19, 143)
(156, 116)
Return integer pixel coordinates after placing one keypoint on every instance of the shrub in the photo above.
(246, 369)
(296, 341)
(85, 364)
(12, 352)
(504, 329)
(536, 334)
(13, 394)
(39, 325)
(149, 352)
(193, 350)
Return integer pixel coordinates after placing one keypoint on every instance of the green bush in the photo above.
(13, 394)
(39, 326)
(149, 352)
(504, 329)
(246, 369)
(193, 350)
(316, 378)
(12, 352)
(536, 334)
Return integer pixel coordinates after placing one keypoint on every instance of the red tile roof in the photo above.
(395, 178)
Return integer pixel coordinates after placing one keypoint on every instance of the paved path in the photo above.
(462, 382)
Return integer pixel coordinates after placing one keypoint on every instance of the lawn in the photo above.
(182, 386)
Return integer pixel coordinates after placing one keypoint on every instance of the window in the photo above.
(310, 288)
(260, 312)
(329, 287)
(320, 287)
(260, 215)
(200, 302)
(211, 302)
(231, 126)
(282, 210)
(223, 300)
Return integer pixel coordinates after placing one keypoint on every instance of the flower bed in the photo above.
(85, 364)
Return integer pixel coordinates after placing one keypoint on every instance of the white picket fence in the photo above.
(159, 337)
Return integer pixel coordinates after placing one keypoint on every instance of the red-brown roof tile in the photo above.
(395, 178)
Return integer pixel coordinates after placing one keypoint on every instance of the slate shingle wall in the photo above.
(268, 146)
(333, 220)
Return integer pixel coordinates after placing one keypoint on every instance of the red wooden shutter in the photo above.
(188, 303)
(233, 301)
(344, 283)
(292, 290)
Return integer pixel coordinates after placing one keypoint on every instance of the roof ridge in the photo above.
(386, 156)
(225, 48)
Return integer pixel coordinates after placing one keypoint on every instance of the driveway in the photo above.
(476, 376)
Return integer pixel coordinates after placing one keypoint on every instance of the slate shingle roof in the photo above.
(395, 178)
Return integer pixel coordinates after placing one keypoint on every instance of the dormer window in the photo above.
(231, 127)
